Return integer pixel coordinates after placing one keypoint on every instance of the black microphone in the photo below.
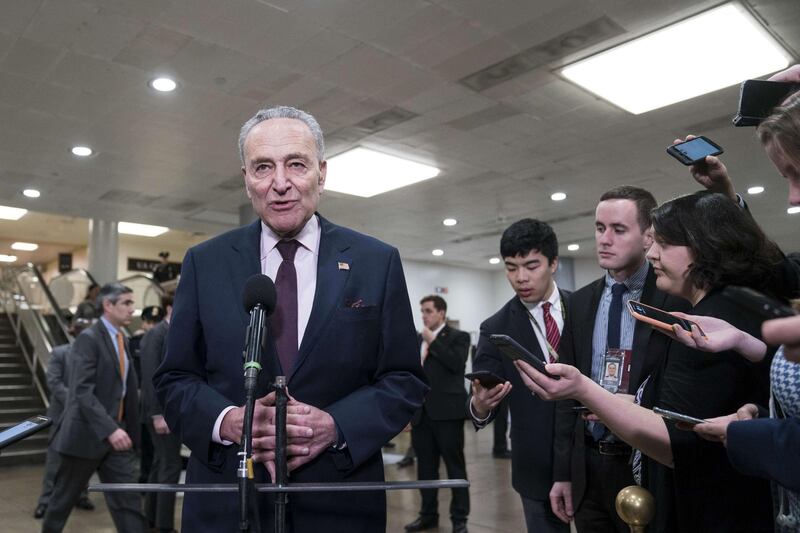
(259, 299)
(259, 289)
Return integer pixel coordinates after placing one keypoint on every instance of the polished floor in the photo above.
(495, 505)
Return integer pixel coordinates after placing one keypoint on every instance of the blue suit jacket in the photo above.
(358, 360)
(767, 448)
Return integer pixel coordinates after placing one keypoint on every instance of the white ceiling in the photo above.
(76, 72)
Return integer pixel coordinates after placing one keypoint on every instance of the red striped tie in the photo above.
(551, 329)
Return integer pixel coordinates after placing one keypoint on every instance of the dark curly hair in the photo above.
(728, 247)
(529, 234)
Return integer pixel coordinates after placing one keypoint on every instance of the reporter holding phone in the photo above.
(702, 242)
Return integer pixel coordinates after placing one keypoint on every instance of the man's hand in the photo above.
(561, 500)
(120, 441)
(784, 331)
(160, 425)
(716, 429)
(716, 335)
(711, 174)
(485, 400)
(427, 335)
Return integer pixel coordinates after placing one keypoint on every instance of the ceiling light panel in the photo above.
(715, 49)
(366, 173)
(143, 230)
(11, 213)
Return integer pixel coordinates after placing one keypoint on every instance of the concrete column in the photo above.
(247, 214)
(103, 250)
(565, 274)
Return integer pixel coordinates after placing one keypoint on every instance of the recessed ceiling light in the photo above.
(366, 173)
(143, 230)
(728, 45)
(438, 252)
(573, 247)
(81, 151)
(494, 260)
(31, 193)
(24, 246)
(7, 258)
(449, 222)
(793, 210)
(11, 213)
(755, 190)
(558, 196)
(163, 84)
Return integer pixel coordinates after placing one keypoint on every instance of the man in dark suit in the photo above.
(437, 430)
(591, 465)
(100, 424)
(534, 317)
(342, 334)
(167, 462)
(58, 385)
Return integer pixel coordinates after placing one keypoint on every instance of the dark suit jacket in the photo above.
(444, 368)
(151, 353)
(95, 388)
(576, 349)
(57, 381)
(767, 448)
(358, 360)
(531, 417)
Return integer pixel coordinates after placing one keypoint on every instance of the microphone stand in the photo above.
(281, 468)
(249, 519)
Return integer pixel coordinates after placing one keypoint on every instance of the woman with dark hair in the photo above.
(702, 242)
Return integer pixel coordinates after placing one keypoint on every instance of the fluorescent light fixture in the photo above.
(494, 261)
(163, 84)
(715, 49)
(11, 213)
(573, 247)
(558, 196)
(25, 246)
(143, 230)
(31, 193)
(7, 258)
(438, 252)
(755, 190)
(793, 210)
(81, 151)
(449, 222)
(366, 173)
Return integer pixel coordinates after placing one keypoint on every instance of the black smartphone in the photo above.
(758, 98)
(658, 318)
(514, 350)
(677, 417)
(581, 409)
(23, 429)
(487, 379)
(756, 303)
(694, 151)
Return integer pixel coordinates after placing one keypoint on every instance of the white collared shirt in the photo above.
(423, 346)
(305, 263)
(537, 311)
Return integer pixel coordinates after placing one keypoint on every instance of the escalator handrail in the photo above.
(62, 323)
(149, 277)
(74, 270)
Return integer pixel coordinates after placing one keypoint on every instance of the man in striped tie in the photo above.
(534, 318)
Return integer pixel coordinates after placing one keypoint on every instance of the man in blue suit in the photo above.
(342, 333)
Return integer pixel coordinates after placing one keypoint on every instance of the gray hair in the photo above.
(112, 293)
(283, 111)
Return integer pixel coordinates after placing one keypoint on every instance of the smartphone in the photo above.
(581, 409)
(514, 350)
(758, 98)
(677, 417)
(755, 303)
(23, 429)
(658, 318)
(487, 379)
(694, 151)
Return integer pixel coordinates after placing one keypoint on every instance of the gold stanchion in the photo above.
(636, 507)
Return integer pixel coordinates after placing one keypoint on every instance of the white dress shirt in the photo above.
(423, 346)
(305, 264)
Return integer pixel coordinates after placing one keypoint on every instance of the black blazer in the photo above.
(532, 418)
(576, 349)
(151, 353)
(444, 368)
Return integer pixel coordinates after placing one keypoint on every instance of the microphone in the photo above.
(259, 299)
(259, 289)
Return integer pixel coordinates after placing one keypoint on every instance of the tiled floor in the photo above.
(495, 505)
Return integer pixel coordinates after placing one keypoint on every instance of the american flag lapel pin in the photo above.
(344, 266)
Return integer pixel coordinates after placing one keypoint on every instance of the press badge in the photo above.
(616, 370)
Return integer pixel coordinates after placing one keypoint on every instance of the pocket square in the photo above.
(354, 303)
